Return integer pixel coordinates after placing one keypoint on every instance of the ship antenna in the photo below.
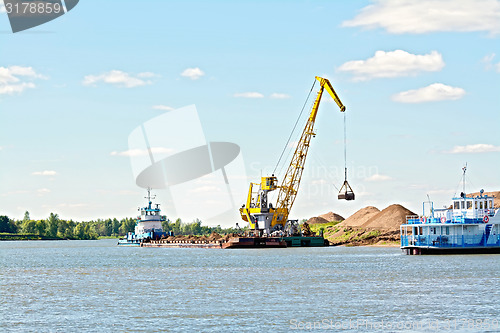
(464, 170)
(149, 197)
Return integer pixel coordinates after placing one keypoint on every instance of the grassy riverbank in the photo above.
(15, 237)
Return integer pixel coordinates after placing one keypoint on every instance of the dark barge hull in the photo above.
(254, 242)
(274, 242)
(417, 250)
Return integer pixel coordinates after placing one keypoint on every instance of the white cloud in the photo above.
(378, 178)
(163, 107)
(119, 78)
(193, 73)
(488, 58)
(142, 152)
(393, 64)
(431, 93)
(279, 96)
(15, 88)
(43, 190)
(2, 7)
(497, 67)
(488, 61)
(44, 173)
(474, 149)
(146, 74)
(249, 95)
(424, 16)
(10, 79)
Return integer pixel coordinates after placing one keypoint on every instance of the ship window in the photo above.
(475, 204)
(463, 204)
(469, 204)
(456, 205)
(480, 205)
(447, 230)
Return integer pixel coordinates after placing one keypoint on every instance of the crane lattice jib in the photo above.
(291, 181)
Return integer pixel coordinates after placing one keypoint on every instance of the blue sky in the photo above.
(420, 80)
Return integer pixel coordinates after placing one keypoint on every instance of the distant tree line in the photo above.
(54, 227)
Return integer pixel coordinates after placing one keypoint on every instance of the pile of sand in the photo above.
(388, 219)
(496, 194)
(331, 216)
(214, 236)
(360, 217)
(316, 220)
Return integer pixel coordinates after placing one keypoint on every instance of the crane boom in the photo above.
(291, 182)
(257, 211)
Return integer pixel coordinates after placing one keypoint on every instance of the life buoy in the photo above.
(443, 219)
(486, 219)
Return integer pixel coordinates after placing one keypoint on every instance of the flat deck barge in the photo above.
(240, 243)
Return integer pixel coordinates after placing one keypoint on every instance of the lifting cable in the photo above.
(345, 147)
(293, 130)
(346, 192)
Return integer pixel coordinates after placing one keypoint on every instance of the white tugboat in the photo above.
(470, 225)
(148, 225)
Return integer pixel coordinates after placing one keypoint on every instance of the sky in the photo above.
(420, 81)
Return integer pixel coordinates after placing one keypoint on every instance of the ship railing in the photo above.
(415, 219)
(412, 219)
(451, 241)
(455, 219)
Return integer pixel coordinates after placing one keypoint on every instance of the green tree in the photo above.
(176, 227)
(166, 225)
(40, 227)
(196, 227)
(115, 227)
(62, 227)
(6, 225)
(127, 225)
(52, 225)
(79, 231)
(69, 232)
(90, 232)
(28, 227)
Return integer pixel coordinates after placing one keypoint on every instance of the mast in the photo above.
(463, 180)
(149, 197)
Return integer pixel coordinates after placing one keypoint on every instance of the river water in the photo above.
(95, 286)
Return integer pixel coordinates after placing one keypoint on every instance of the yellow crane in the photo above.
(257, 211)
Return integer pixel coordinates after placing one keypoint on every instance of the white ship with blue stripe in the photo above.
(148, 225)
(470, 225)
